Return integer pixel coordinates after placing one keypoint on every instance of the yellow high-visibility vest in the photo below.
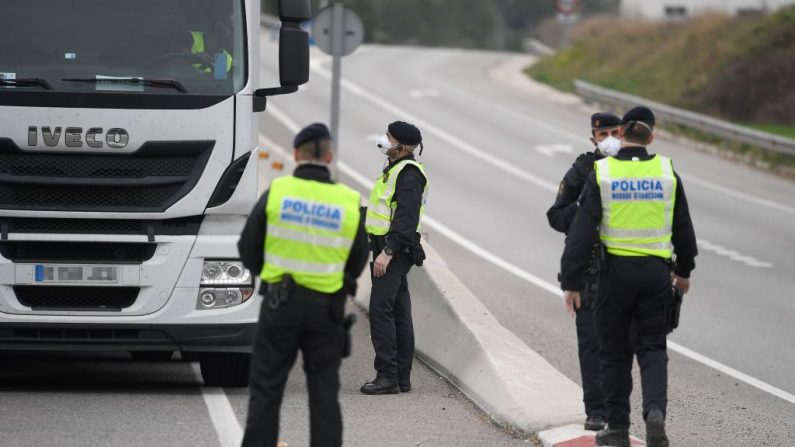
(199, 48)
(638, 199)
(381, 207)
(310, 232)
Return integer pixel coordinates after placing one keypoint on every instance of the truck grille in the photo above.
(76, 298)
(149, 180)
(57, 333)
(77, 252)
(180, 226)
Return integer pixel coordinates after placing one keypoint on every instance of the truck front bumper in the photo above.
(127, 337)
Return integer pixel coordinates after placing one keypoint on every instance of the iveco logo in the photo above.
(73, 137)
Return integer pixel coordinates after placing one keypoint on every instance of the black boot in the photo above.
(379, 386)
(615, 437)
(655, 429)
(594, 423)
(405, 387)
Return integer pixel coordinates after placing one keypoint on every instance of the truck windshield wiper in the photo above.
(147, 82)
(26, 82)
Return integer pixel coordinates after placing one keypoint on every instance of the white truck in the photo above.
(128, 165)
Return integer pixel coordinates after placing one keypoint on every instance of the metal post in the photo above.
(337, 34)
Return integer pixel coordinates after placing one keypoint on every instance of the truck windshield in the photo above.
(180, 47)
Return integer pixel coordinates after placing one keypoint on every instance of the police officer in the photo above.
(635, 204)
(394, 210)
(215, 43)
(604, 135)
(315, 247)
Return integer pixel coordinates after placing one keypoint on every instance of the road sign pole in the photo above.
(337, 36)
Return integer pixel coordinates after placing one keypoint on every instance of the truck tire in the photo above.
(151, 356)
(225, 369)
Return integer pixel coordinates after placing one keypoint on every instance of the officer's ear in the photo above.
(651, 139)
(329, 157)
(296, 155)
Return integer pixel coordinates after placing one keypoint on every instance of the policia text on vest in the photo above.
(306, 238)
(635, 205)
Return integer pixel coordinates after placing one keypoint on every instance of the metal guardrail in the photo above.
(714, 126)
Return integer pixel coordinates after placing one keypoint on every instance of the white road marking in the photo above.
(230, 433)
(441, 134)
(423, 93)
(317, 66)
(736, 256)
(736, 194)
(553, 289)
(553, 150)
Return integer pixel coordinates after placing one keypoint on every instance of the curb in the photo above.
(459, 338)
(573, 436)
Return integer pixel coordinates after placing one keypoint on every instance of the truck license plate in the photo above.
(49, 273)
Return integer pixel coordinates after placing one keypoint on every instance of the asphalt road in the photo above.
(101, 399)
(496, 150)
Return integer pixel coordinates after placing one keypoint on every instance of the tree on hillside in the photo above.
(493, 24)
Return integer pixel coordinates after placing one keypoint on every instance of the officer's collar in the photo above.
(628, 152)
(403, 158)
(311, 171)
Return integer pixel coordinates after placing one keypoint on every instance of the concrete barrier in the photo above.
(458, 337)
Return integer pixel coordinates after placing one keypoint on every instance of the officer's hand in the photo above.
(682, 283)
(380, 264)
(571, 299)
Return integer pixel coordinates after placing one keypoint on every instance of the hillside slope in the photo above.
(740, 69)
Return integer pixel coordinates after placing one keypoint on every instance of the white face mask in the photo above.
(383, 144)
(609, 146)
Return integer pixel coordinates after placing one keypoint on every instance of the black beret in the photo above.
(602, 120)
(405, 133)
(639, 113)
(311, 132)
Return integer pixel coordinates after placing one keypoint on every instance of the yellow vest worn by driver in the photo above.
(381, 207)
(199, 48)
(637, 206)
(311, 227)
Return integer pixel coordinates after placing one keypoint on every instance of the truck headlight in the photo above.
(226, 273)
(224, 284)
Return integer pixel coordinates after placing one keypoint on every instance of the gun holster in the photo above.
(347, 324)
(278, 293)
(674, 310)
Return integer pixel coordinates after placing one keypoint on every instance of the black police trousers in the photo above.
(634, 290)
(313, 323)
(391, 326)
(588, 350)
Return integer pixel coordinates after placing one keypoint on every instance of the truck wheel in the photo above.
(151, 356)
(226, 369)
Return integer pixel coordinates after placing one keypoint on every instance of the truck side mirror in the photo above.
(293, 48)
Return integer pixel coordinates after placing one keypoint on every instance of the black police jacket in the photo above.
(408, 195)
(252, 239)
(562, 212)
(584, 231)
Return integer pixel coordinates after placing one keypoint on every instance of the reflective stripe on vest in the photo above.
(199, 48)
(381, 207)
(310, 232)
(637, 206)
